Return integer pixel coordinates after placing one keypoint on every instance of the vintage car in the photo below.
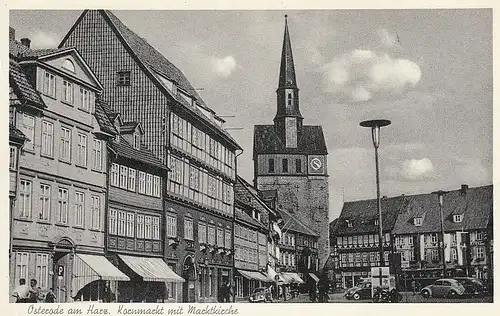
(473, 286)
(450, 288)
(361, 291)
(260, 295)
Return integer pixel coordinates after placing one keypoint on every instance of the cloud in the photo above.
(364, 75)
(386, 38)
(42, 39)
(224, 66)
(412, 170)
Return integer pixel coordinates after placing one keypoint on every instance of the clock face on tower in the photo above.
(316, 164)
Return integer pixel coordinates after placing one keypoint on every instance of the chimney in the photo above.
(26, 42)
(12, 33)
(384, 197)
(464, 188)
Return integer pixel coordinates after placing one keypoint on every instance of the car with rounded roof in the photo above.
(450, 288)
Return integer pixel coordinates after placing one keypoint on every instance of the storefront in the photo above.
(247, 281)
(149, 279)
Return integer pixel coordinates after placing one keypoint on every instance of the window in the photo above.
(97, 155)
(114, 175)
(84, 99)
(122, 220)
(149, 184)
(130, 225)
(140, 226)
(156, 227)
(284, 163)
(68, 64)
(123, 177)
(271, 166)
(123, 78)
(188, 228)
(211, 235)
(112, 222)
(131, 179)
(349, 223)
(171, 286)
(13, 157)
(457, 218)
(220, 237)
(95, 211)
(62, 206)
(44, 202)
(202, 233)
(171, 226)
(417, 221)
(68, 92)
(22, 261)
(298, 166)
(289, 99)
(79, 208)
(142, 182)
(137, 141)
(434, 238)
(147, 227)
(81, 153)
(479, 235)
(42, 270)
(227, 240)
(29, 131)
(480, 252)
(47, 138)
(25, 199)
(156, 186)
(454, 255)
(65, 149)
(49, 84)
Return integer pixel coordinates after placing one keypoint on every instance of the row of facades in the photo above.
(411, 226)
(123, 183)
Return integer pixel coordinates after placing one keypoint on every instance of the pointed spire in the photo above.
(287, 69)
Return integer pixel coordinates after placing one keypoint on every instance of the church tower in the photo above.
(291, 158)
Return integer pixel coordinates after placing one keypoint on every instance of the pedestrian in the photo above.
(34, 292)
(229, 292)
(50, 297)
(22, 292)
(221, 294)
(413, 286)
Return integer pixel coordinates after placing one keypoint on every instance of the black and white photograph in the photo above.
(250, 156)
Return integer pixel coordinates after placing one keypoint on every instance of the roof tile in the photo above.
(311, 142)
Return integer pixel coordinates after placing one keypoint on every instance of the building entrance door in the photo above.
(189, 275)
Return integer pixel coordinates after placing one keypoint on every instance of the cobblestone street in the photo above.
(407, 298)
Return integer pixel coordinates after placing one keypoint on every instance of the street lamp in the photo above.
(440, 195)
(375, 125)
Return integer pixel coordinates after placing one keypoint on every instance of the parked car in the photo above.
(260, 295)
(473, 286)
(361, 291)
(443, 288)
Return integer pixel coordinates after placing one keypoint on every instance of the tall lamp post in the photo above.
(440, 195)
(375, 125)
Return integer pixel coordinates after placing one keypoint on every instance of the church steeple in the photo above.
(288, 120)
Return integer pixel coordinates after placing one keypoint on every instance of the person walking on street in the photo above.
(228, 293)
(21, 292)
(50, 297)
(413, 285)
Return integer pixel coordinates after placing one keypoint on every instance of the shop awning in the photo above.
(254, 275)
(89, 268)
(151, 269)
(314, 277)
(291, 277)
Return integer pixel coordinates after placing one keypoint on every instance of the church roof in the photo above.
(287, 68)
(295, 225)
(311, 142)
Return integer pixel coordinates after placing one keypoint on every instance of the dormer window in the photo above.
(123, 78)
(349, 223)
(375, 222)
(417, 221)
(68, 65)
(137, 141)
(458, 218)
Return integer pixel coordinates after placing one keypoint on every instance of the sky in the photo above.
(428, 71)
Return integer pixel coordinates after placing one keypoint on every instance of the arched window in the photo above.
(68, 64)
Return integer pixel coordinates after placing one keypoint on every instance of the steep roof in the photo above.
(22, 87)
(125, 150)
(312, 141)
(475, 204)
(246, 194)
(102, 117)
(363, 214)
(128, 127)
(287, 68)
(294, 224)
(37, 53)
(15, 134)
(244, 217)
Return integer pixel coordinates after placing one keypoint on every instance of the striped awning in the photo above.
(89, 268)
(291, 277)
(151, 269)
(314, 277)
(254, 275)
